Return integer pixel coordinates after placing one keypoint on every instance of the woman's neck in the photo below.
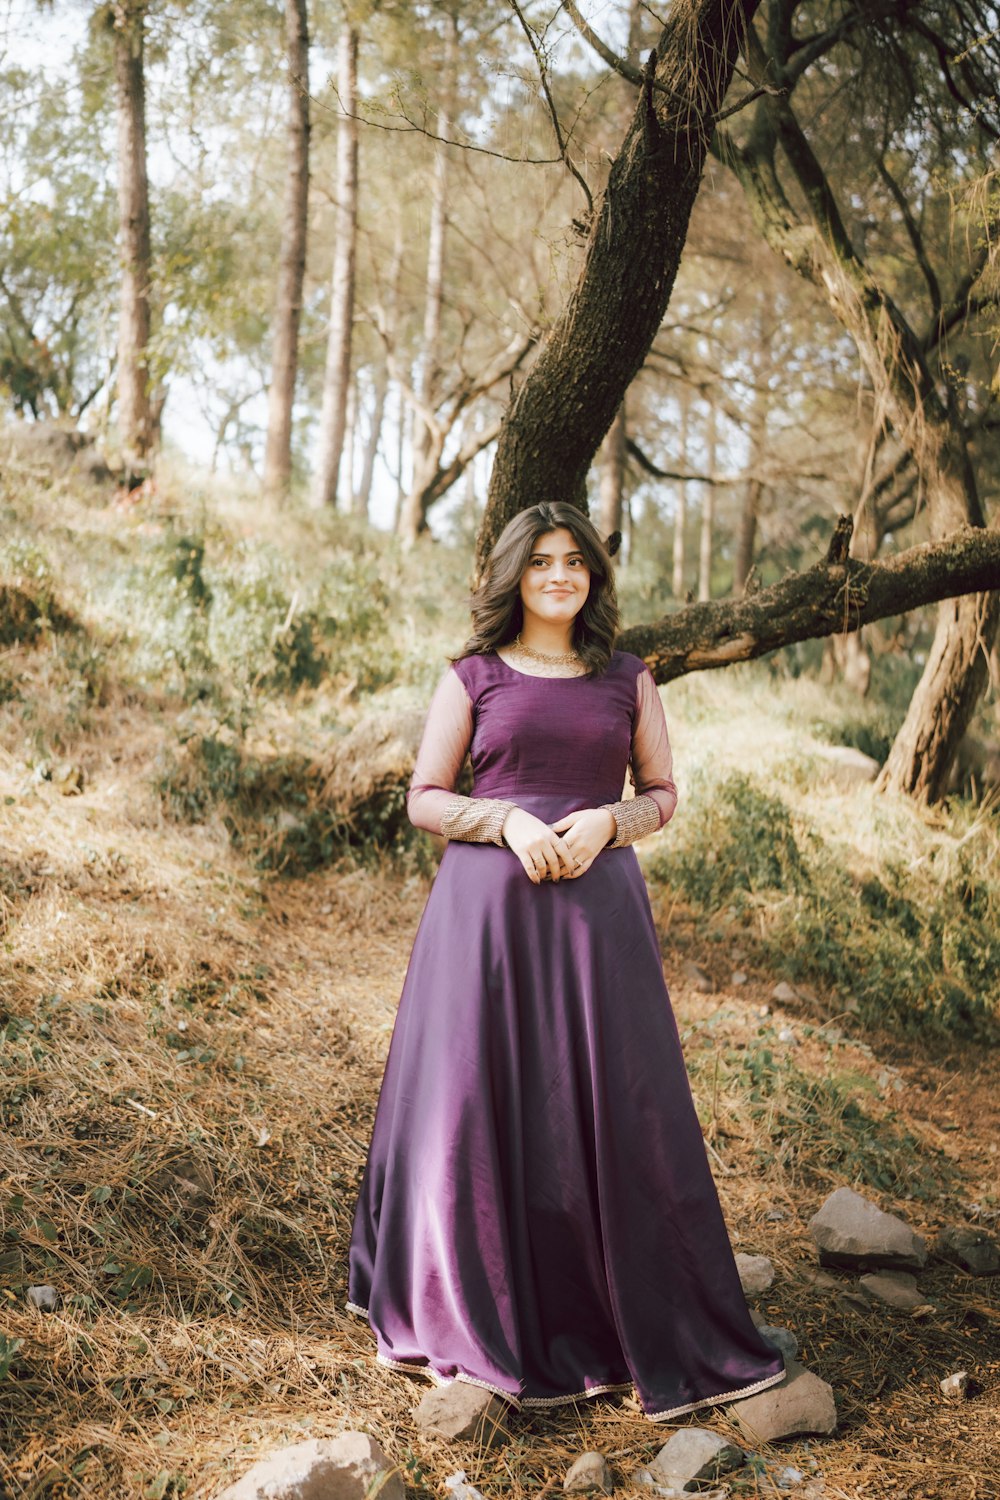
(552, 640)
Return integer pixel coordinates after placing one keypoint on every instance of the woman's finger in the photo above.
(553, 863)
(564, 851)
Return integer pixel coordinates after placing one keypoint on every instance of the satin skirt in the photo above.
(537, 1215)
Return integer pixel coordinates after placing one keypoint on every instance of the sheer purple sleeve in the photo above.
(443, 748)
(432, 801)
(650, 770)
(652, 761)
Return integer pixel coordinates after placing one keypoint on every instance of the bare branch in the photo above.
(635, 75)
(913, 230)
(413, 127)
(544, 80)
(625, 69)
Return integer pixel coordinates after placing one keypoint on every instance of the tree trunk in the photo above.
(613, 475)
(569, 398)
(680, 511)
(708, 506)
(337, 376)
(820, 250)
(402, 418)
(345, 481)
(387, 328)
(362, 500)
(426, 443)
(291, 258)
(128, 21)
(754, 484)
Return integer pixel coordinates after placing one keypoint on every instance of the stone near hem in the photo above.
(801, 1403)
(588, 1472)
(781, 1338)
(756, 1274)
(695, 1453)
(344, 1468)
(851, 1231)
(460, 1412)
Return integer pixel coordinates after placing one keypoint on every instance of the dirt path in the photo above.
(191, 1063)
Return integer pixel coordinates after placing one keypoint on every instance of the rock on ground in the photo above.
(801, 1403)
(894, 1288)
(45, 1298)
(462, 1412)
(847, 765)
(971, 1249)
(756, 1274)
(851, 1231)
(343, 1468)
(694, 1453)
(459, 1487)
(955, 1387)
(782, 1339)
(588, 1472)
(699, 977)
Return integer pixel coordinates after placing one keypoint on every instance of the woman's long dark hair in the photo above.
(497, 611)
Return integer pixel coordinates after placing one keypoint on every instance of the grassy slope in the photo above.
(192, 1048)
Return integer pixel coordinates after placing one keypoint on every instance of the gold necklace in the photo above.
(549, 658)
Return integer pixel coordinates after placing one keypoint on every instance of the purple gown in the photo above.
(537, 1215)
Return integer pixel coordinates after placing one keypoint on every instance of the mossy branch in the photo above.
(834, 597)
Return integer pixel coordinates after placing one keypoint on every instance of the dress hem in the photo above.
(595, 1390)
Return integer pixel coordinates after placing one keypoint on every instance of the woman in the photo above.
(537, 1214)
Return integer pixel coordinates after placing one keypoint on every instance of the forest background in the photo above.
(299, 305)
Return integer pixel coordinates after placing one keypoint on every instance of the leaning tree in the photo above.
(637, 232)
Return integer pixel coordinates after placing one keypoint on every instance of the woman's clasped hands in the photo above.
(562, 850)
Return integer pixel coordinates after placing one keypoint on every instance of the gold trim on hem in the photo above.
(740, 1395)
(595, 1390)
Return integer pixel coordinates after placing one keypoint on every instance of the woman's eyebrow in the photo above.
(577, 553)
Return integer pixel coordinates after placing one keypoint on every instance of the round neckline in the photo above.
(539, 676)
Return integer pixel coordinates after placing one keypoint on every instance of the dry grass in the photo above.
(190, 1053)
(191, 1060)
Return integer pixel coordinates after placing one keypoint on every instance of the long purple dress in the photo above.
(537, 1215)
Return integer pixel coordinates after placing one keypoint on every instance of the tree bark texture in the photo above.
(291, 257)
(568, 401)
(612, 467)
(833, 596)
(128, 22)
(337, 375)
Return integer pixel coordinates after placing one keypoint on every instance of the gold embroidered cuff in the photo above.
(475, 820)
(634, 818)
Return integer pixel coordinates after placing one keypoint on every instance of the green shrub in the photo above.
(735, 838)
(903, 949)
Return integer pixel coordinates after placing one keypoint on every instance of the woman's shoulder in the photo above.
(627, 664)
(474, 670)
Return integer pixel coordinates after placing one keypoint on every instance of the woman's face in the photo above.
(556, 582)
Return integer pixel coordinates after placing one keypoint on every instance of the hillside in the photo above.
(208, 894)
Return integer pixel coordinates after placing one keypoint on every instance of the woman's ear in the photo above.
(613, 543)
